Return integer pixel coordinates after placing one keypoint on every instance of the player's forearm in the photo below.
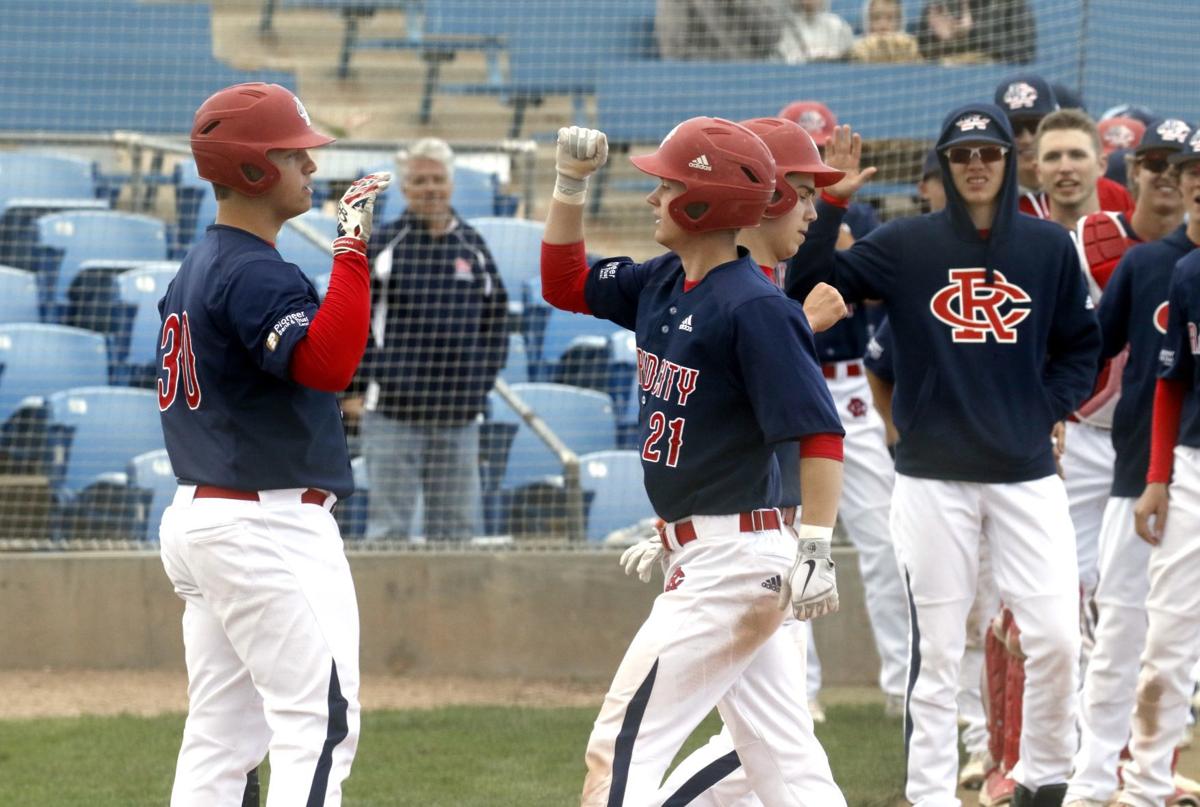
(564, 223)
(326, 358)
(820, 490)
(1164, 429)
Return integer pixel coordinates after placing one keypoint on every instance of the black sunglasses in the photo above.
(1156, 165)
(1029, 125)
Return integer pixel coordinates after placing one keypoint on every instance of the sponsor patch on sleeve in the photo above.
(280, 328)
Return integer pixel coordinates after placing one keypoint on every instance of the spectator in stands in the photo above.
(812, 33)
(439, 338)
(885, 39)
(719, 29)
(974, 31)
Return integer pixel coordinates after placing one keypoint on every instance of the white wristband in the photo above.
(811, 532)
(570, 190)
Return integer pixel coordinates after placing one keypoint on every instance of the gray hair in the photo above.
(427, 148)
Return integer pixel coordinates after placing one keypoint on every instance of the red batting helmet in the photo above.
(238, 125)
(724, 167)
(795, 153)
(815, 117)
(1120, 133)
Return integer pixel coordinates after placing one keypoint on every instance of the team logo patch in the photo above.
(975, 309)
(608, 271)
(773, 583)
(1194, 144)
(968, 123)
(272, 341)
(1119, 137)
(676, 580)
(701, 163)
(1020, 95)
(1174, 130)
(301, 111)
(812, 122)
(857, 407)
(1160, 318)
(462, 268)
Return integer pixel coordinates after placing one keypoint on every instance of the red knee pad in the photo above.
(996, 662)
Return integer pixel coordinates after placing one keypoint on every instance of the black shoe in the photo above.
(1046, 796)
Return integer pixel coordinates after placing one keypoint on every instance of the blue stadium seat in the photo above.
(38, 359)
(110, 426)
(565, 330)
(623, 386)
(144, 287)
(195, 206)
(618, 491)
(36, 175)
(66, 240)
(582, 419)
(18, 295)
(516, 246)
(313, 259)
(152, 471)
(516, 363)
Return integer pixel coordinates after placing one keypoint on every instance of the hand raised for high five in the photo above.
(843, 151)
(355, 211)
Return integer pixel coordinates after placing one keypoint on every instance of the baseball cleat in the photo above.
(1182, 798)
(972, 774)
(997, 789)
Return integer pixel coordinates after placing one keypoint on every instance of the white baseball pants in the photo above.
(868, 476)
(270, 632)
(1172, 641)
(1088, 475)
(938, 526)
(712, 639)
(1110, 682)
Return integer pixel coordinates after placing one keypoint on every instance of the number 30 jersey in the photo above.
(726, 370)
(230, 412)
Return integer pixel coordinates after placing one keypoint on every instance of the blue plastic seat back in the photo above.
(582, 419)
(34, 175)
(618, 491)
(18, 295)
(516, 246)
(37, 359)
(98, 234)
(152, 471)
(516, 362)
(144, 287)
(313, 259)
(110, 425)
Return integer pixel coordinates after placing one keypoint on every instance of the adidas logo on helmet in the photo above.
(701, 163)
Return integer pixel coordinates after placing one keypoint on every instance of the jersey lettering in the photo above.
(660, 376)
(1194, 338)
(659, 424)
(179, 362)
(972, 307)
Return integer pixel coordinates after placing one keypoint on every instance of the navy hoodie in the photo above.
(995, 339)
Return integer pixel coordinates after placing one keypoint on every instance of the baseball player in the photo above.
(249, 365)
(868, 469)
(727, 369)
(1133, 312)
(995, 343)
(1026, 99)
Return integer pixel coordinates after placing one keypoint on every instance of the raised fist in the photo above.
(581, 151)
(355, 211)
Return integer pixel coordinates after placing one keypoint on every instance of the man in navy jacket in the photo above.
(995, 343)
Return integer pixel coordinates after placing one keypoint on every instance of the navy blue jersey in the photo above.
(1182, 342)
(440, 332)
(847, 339)
(878, 358)
(995, 339)
(1133, 311)
(231, 414)
(727, 370)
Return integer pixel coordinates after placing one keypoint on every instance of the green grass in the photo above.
(450, 757)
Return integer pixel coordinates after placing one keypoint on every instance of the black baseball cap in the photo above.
(1171, 134)
(1026, 95)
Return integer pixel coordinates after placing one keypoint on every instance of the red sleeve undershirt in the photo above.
(829, 199)
(827, 446)
(564, 275)
(326, 358)
(1164, 431)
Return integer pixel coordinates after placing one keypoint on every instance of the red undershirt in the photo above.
(326, 358)
(1164, 429)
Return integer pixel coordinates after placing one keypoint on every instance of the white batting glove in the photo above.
(811, 586)
(580, 154)
(641, 557)
(355, 211)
